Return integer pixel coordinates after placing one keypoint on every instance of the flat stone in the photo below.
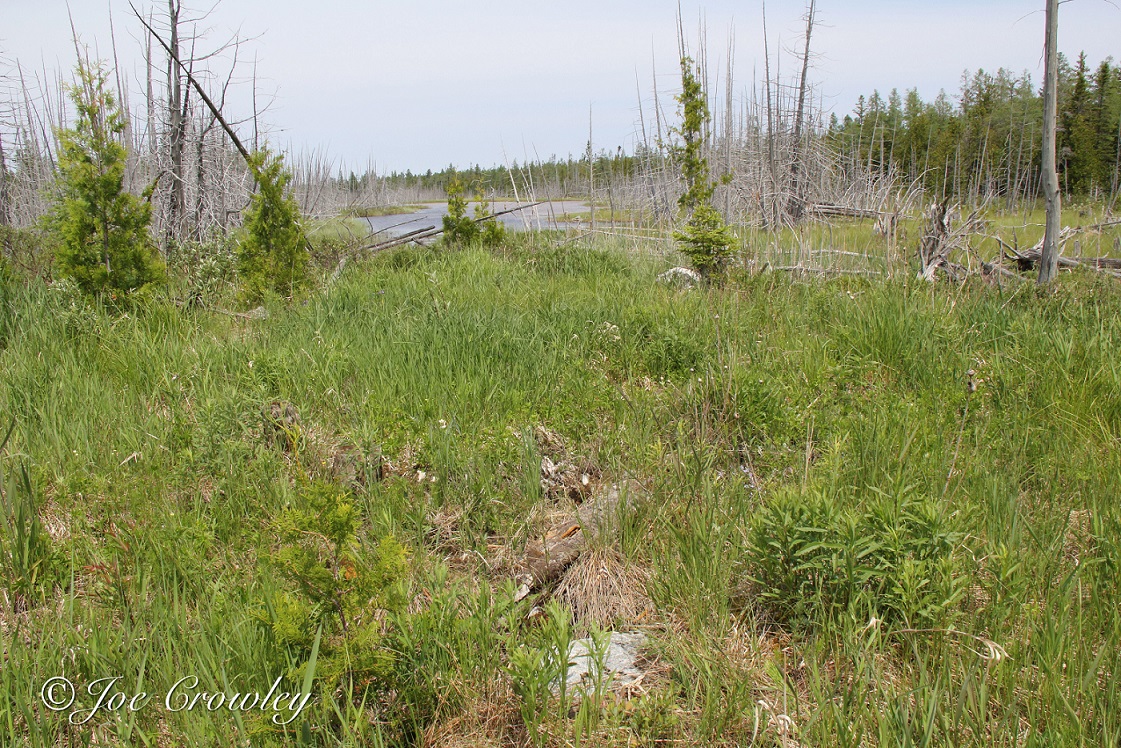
(620, 664)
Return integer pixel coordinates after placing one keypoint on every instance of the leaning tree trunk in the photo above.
(1049, 259)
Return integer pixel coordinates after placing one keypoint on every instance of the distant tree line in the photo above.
(557, 177)
(987, 144)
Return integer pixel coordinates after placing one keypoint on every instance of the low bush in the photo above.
(898, 559)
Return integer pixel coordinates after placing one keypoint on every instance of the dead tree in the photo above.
(797, 200)
(772, 217)
(177, 125)
(5, 210)
(185, 159)
(1049, 260)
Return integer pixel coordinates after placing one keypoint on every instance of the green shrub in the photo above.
(273, 256)
(897, 559)
(102, 230)
(206, 268)
(706, 241)
(491, 232)
(536, 670)
(336, 584)
(459, 228)
(652, 718)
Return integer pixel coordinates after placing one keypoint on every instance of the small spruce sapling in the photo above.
(704, 238)
(459, 228)
(491, 231)
(102, 230)
(336, 583)
(273, 257)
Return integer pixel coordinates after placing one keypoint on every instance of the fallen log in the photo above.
(434, 231)
(548, 556)
(1028, 259)
(843, 211)
(822, 271)
(416, 236)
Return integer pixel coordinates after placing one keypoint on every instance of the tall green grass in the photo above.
(827, 420)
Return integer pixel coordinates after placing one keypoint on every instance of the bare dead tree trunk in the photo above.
(1116, 183)
(797, 199)
(256, 132)
(729, 123)
(1049, 259)
(771, 219)
(177, 124)
(5, 198)
(591, 172)
(151, 98)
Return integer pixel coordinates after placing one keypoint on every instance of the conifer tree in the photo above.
(273, 257)
(104, 245)
(705, 238)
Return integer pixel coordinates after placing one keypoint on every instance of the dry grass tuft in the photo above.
(602, 588)
(487, 721)
(1078, 538)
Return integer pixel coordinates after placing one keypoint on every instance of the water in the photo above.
(538, 217)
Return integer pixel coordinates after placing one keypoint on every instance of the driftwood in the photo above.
(403, 239)
(941, 237)
(432, 231)
(1030, 258)
(821, 271)
(416, 236)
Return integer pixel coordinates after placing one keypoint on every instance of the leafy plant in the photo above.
(652, 718)
(102, 230)
(811, 560)
(206, 268)
(273, 257)
(535, 671)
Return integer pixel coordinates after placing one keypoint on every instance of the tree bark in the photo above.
(1049, 261)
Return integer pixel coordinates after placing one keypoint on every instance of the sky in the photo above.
(421, 84)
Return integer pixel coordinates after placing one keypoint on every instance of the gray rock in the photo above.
(620, 664)
(679, 276)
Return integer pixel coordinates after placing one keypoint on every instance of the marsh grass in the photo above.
(383, 210)
(157, 496)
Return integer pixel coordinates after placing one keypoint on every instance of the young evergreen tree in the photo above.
(458, 226)
(705, 238)
(273, 256)
(104, 245)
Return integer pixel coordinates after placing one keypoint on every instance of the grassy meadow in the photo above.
(857, 510)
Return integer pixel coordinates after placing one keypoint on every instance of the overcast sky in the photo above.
(420, 84)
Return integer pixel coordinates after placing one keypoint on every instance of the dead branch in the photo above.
(198, 88)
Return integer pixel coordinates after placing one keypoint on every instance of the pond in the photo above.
(543, 216)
